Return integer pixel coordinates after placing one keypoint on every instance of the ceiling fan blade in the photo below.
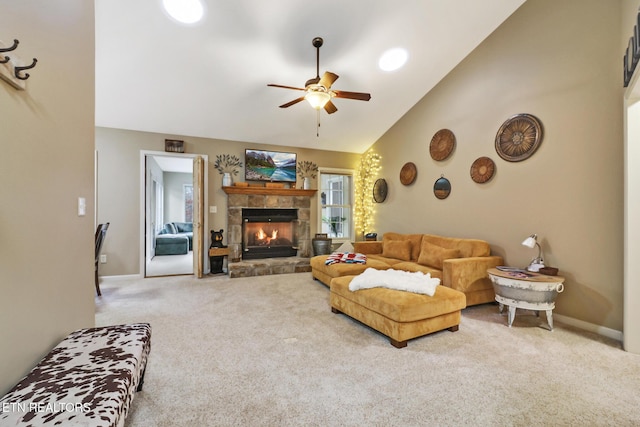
(327, 79)
(290, 103)
(330, 107)
(360, 96)
(285, 87)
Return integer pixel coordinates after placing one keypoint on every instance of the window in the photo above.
(188, 203)
(336, 204)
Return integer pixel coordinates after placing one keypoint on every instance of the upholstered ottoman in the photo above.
(172, 244)
(399, 315)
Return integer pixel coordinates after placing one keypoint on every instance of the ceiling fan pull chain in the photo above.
(318, 123)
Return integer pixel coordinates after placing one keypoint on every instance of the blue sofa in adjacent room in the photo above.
(175, 238)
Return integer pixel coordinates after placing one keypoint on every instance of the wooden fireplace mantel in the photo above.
(269, 191)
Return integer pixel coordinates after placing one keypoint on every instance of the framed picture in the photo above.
(273, 166)
(174, 145)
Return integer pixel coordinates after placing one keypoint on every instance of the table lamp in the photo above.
(537, 263)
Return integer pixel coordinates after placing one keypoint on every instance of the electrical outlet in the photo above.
(103, 259)
(213, 209)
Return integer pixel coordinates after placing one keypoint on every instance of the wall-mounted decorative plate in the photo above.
(408, 173)
(519, 137)
(442, 144)
(380, 190)
(482, 170)
(442, 187)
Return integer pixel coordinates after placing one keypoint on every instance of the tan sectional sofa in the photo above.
(460, 264)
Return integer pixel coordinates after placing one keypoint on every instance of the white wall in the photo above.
(174, 183)
(47, 162)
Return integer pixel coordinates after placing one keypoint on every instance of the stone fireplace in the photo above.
(278, 202)
(269, 233)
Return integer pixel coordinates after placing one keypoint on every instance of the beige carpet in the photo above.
(267, 351)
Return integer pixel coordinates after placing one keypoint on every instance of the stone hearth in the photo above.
(267, 266)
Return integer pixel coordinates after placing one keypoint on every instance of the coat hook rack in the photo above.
(9, 70)
(8, 49)
(18, 70)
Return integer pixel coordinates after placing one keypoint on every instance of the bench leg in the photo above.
(141, 383)
(454, 328)
(398, 344)
(335, 310)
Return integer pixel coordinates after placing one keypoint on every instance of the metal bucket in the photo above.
(321, 246)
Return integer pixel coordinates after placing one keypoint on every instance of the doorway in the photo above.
(172, 215)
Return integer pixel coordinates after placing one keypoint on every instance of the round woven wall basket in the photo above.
(482, 170)
(408, 173)
(442, 144)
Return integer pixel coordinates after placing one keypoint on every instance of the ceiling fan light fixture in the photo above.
(317, 99)
(184, 11)
(393, 59)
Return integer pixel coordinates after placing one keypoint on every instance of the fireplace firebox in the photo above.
(269, 233)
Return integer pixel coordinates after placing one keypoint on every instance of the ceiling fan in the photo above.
(318, 90)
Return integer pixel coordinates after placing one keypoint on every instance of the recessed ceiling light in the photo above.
(185, 11)
(393, 59)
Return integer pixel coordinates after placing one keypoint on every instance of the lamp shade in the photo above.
(530, 241)
(317, 99)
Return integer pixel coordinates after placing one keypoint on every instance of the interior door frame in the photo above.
(631, 316)
(144, 209)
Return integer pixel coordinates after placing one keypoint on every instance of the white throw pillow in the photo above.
(345, 247)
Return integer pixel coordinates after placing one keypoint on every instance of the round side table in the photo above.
(530, 291)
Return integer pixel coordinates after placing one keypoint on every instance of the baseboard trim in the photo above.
(120, 277)
(600, 330)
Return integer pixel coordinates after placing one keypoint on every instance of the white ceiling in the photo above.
(174, 164)
(210, 79)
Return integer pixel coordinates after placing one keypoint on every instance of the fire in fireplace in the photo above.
(268, 233)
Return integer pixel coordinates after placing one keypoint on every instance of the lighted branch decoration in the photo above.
(227, 163)
(364, 181)
(307, 169)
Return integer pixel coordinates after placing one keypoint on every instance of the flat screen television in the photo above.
(271, 166)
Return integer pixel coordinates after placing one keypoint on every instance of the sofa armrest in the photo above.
(469, 274)
(368, 248)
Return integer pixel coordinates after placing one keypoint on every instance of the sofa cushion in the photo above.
(169, 228)
(415, 240)
(399, 249)
(388, 261)
(434, 255)
(468, 247)
(343, 268)
(183, 227)
(414, 267)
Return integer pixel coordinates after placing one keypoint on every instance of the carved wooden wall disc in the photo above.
(408, 173)
(442, 144)
(482, 169)
(519, 137)
(380, 190)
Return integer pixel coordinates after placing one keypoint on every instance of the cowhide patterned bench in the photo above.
(89, 379)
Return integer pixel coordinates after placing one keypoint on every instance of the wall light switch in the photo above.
(213, 209)
(82, 206)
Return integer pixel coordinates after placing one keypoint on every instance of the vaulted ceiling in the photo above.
(210, 79)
